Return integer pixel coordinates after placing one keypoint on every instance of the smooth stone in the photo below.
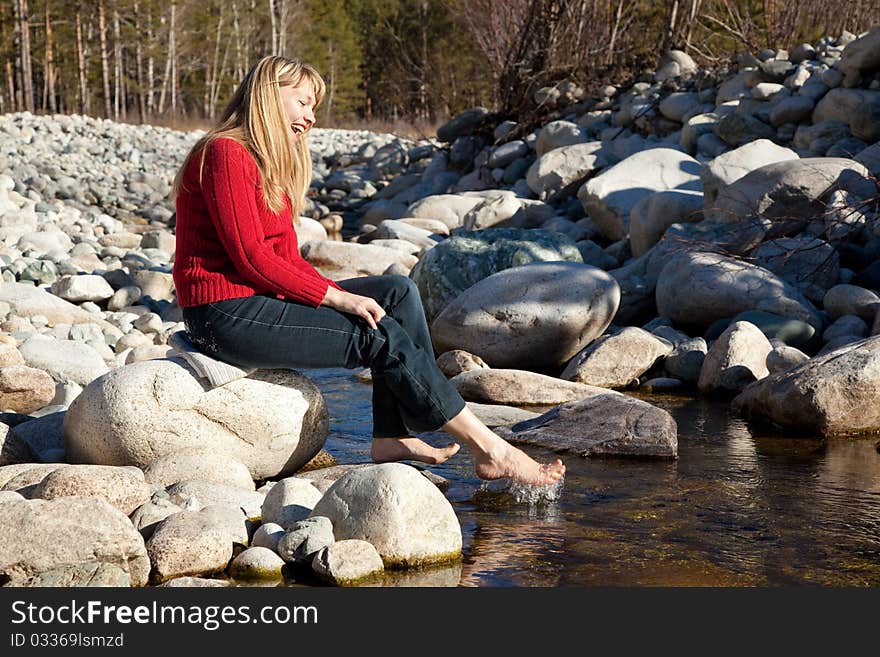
(809, 264)
(557, 171)
(497, 415)
(532, 316)
(37, 536)
(391, 506)
(617, 361)
(609, 424)
(120, 487)
(183, 545)
(519, 388)
(25, 389)
(268, 535)
(850, 325)
(148, 515)
(76, 289)
(347, 562)
(361, 259)
(685, 361)
(457, 361)
(194, 582)
(198, 494)
(733, 165)
(203, 464)
(257, 563)
(651, 216)
(783, 358)
(306, 538)
(273, 421)
(843, 300)
(738, 357)
(289, 501)
(64, 360)
(325, 477)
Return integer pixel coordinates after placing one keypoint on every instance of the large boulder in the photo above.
(729, 167)
(698, 288)
(64, 360)
(393, 507)
(187, 543)
(37, 536)
(843, 104)
(273, 421)
(533, 316)
(781, 198)
(27, 301)
(617, 360)
(205, 464)
(861, 55)
(610, 197)
(833, 394)
(465, 259)
(609, 424)
(448, 208)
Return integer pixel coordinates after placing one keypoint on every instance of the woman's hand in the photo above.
(354, 304)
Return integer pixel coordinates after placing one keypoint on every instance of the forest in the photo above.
(176, 63)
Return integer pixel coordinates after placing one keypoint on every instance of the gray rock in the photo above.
(123, 488)
(610, 197)
(557, 134)
(197, 494)
(846, 325)
(457, 361)
(531, 316)
(793, 109)
(349, 259)
(92, 574)
(698, 288)
(148, 516)
(37, 536)
(834, 394)
(64, 360)
(497, 415)
(273, 421)
(557, 171)
(809, 264)
(82, 288)
(463, 124)
(391, 506)
(204, 464)
(459, 262)
(685, 361)
(783, 358)
(738, 357)
(651, 216)
(843, 104)
(733, 165)
(617, 361)
(183, 545)
(306, 538)
(519, 388)
(257, 563)
(609, 424)
(289, 501)
(843, 300)
(268, 535)
(737, 129)
(347, 562)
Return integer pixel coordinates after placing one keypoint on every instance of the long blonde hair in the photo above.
(255, 118)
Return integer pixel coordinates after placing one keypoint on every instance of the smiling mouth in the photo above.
(297, 129)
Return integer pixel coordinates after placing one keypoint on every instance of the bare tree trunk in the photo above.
(615, 27)
(10, 76)
(272, 27)
(695, 9)
(423, 69)
(118, 91)
(165, 78)
(672, 27)
(27, 76)
(213, 80)
(139, 64)
(331, 89)
(236, 35)
(151, 73)
(49, 76)
(172, 45)
(81, 66)
(105, 65)
(282, 26)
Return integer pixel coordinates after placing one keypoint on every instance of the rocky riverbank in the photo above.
(707, 232)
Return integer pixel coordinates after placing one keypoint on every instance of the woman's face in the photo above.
(299, 106)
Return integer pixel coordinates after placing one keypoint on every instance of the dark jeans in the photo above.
(410, 393)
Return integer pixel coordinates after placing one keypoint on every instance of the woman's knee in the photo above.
(403, 290)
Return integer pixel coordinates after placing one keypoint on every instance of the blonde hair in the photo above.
(255, 118)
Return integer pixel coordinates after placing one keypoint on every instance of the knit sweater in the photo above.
(230, 244)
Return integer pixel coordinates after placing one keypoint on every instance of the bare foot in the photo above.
(385, 450)
(511, 462)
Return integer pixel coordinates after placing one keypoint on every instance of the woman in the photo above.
(249, 298)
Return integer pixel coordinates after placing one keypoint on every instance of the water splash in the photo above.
(529, 494)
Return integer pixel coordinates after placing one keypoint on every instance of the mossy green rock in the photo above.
(465, 259)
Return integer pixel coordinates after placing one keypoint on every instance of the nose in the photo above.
(310, 115)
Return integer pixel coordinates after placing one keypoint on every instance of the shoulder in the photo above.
(225, 147)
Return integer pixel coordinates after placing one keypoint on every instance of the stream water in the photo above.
(737, 508)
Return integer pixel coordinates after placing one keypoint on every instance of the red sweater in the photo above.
(230, 244)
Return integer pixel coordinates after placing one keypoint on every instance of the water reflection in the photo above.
(741, 506)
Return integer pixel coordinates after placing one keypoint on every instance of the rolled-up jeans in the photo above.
(410, 393)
